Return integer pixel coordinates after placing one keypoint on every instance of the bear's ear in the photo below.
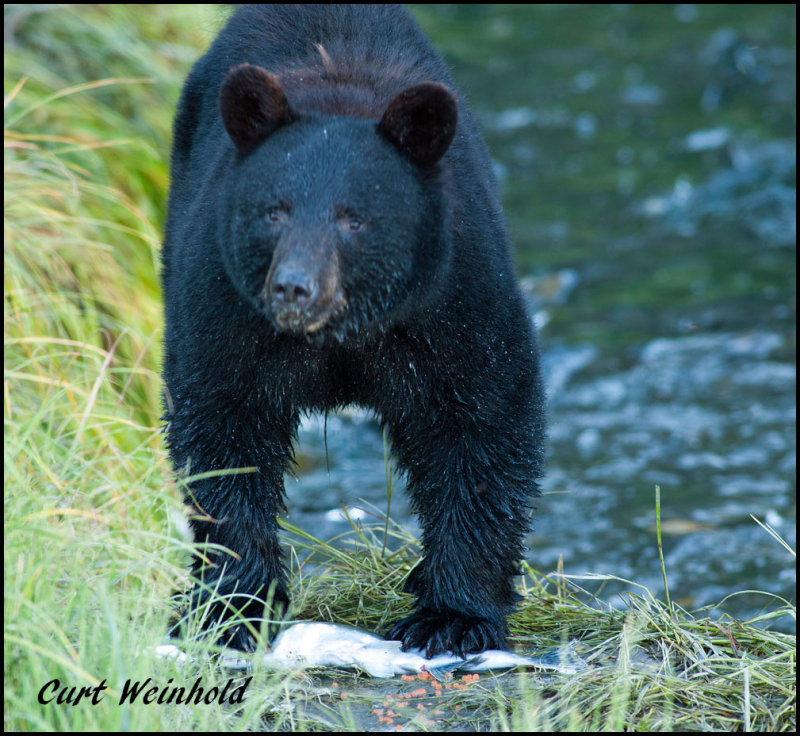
(253, 105)
(421, 122)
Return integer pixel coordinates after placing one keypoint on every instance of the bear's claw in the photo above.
(434, 632)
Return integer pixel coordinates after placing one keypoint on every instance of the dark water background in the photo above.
(646, 156)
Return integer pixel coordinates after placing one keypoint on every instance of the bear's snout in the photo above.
(292, 288)
(302, 288)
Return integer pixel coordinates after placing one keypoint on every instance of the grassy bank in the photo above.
(93, 545)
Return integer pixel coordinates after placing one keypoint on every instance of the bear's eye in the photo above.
(274, 214)
(348, 221)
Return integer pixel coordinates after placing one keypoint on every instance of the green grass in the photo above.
(93, 546)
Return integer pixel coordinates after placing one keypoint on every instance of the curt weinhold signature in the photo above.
(145, 691)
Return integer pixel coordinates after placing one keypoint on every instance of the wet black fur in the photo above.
(434, 336)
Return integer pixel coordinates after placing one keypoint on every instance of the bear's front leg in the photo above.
(463, 585)
(472, 466)
(244, 454)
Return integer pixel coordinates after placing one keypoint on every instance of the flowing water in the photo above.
(646, 156)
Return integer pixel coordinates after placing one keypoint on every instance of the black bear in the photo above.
(334, 236)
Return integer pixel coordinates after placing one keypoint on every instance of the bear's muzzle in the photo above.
(302, 288)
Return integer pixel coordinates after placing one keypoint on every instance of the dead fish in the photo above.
(314, 644)
(311, 644)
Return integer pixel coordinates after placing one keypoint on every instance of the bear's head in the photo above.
(332, 224)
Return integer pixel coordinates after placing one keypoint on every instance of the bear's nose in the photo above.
(291, 286)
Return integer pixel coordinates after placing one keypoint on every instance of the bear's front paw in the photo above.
(238, 637)
(232, 620)
(436, 632)
(225, 633)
